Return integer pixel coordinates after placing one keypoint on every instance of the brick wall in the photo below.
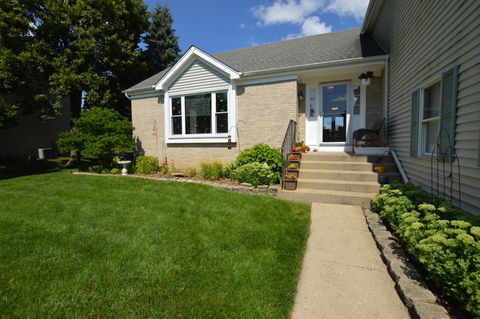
(263, 113)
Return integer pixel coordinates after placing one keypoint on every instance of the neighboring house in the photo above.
(214, 106)
(30, 133)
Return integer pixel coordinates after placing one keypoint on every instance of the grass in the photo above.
(113, 247)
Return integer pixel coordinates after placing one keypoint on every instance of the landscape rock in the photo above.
(422, 310)
(412, 292)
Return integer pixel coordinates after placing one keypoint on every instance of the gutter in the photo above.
(371, 16)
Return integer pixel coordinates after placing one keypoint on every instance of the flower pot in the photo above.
(297, 157)
(290, 185)
(293, 172)
(384, 180)
(379, 169)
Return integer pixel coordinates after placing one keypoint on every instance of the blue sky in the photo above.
(216, 26)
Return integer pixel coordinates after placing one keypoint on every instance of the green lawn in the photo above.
(115, 247)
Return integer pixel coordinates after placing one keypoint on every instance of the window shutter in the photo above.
(448, 114)
(414, 121)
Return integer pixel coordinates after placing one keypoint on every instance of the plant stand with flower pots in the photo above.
(290, 182)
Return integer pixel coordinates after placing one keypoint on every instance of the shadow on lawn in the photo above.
(10, 168)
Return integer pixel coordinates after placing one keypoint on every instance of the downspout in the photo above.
(399, 166)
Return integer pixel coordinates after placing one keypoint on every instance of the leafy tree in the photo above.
(54, 49)
(99, 133)
(162, 42)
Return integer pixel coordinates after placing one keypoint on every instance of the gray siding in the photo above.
(198, 77)
(424, 39)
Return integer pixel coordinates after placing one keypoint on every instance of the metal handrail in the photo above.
(288, 142)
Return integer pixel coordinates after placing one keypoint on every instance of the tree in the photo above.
(54, 49)
(99, 133)
(162, 42)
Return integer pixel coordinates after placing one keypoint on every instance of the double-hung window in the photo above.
(430, 118)
(200, 114)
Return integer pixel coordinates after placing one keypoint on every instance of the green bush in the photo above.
(146, 165)
(255, 174)
(191, 172)
(115, 171)
(262, 153)
(441, 238)
(212, 170)
(99, 133)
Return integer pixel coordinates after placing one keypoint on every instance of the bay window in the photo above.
(199, 114)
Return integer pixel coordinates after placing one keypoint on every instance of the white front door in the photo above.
(333, 119)
(333, 112)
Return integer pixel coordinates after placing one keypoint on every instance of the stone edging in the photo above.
(241, 188)
(411, 287)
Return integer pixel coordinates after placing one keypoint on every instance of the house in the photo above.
(420, 60)
(30, 133)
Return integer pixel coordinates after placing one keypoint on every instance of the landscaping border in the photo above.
(411, 287)
(270, 190)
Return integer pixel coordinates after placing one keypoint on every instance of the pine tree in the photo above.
(162, 42)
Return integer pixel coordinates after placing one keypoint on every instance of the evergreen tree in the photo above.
(162, 42)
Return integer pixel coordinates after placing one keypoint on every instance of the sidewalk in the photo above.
(343, 275)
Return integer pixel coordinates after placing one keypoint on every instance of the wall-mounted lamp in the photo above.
(366, 77)
(229, 143)
(300, 96)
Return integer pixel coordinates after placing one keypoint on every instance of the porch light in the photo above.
(366, 77)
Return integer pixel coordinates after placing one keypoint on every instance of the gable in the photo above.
(199, 76)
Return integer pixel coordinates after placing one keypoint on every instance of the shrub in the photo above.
(191, 172)
(98, 133)
(255, 174)
(115, 171)
(212, 170)
(446, 246)
(146, 165)
(262, 153)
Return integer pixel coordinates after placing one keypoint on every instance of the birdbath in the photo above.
(124, 164)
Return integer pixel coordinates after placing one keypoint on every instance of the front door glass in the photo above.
(334, 113)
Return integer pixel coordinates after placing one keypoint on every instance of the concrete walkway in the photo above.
(343, 275)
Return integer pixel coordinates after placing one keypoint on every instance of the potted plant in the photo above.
(383, 179)
(292, 168)
(301, 147)
(294, 157)
(380, 169)
(290, 182)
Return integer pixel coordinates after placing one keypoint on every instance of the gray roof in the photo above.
(341, 45)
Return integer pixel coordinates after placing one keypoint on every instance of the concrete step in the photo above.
(347, 166)
(327, 196)
(343, 157)
(338, 185)
(344, 175)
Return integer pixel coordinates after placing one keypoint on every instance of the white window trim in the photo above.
(202, 138)
(422, 132)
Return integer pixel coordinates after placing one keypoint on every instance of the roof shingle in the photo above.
(335, 46)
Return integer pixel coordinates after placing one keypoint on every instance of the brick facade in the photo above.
(263, 113)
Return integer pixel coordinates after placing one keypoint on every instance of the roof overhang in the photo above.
(371, 15)
(191, 54)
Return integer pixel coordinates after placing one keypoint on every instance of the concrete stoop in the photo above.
(338, 178)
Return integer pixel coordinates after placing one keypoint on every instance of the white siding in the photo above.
(425, 38)
(199, 77)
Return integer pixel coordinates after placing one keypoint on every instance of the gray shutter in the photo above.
(414, 122)
(448, 114)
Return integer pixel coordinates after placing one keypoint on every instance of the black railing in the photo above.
(288, 142)
(442, 175)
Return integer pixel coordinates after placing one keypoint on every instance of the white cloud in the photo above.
(307, 14)
(311, 26)
(242, 26)
(290, 11)
(353, 8)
